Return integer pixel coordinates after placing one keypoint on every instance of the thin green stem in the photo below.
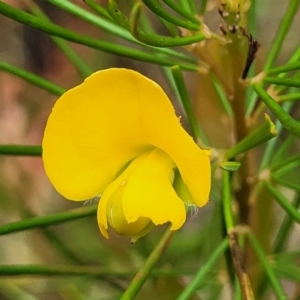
(288, 271)
(272, 148)
(171, 28)
(32, 78)
(222, 96)
(111, 27)
(203, 7)
(255, 138)
(181, 11)
(286, 120)
(289, 97)
(21, 150)
(277, 288)
(167, 73)
(38, 23)
(281, 151)
(285, 228)
(283, 202)
(104, 24)
(145, 270)
(151, 39)
(43, 221)
(158, 40)
(287, 183)
(285, 165)
(281, 33)
(251, 102)
(90, 271)
(283, 69)
(98, 8)
(227, 205)
(187, 105)
(291, 82)
(203, 271)
(189, 5)
(156, 7)
(295, 57)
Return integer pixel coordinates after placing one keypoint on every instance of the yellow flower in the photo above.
(116, 135)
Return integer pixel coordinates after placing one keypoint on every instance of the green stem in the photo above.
(43, 221)
(285, 166)
(272, 145)
(22, 150)
(156, 7)
(291, 82)
(287, 183)
(203, 7)
(158, 40)
(109, 26)
(203, 271)
(289, 97)
(187, 104)
(222, 96)
(283, 202)
(286, 120)
(181, 11)
(279, 292)
(92, 271)
(285, 228)
(281, 33)
(32, 78)
(289, 272)
(98, 8)
(171, 28)
(227, 205)
(283, 69)
(251, 102)
(188, 5)
(255, 138)
(52, 29)
(104, 24)
(145, 270)
(168, 76)
(281, 151)
(295, 57)
(146, 39)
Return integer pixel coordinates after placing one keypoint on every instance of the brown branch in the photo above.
(239, 267)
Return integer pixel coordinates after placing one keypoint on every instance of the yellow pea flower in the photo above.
(116, 135)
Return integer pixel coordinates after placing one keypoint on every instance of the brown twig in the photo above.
(239, 267)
